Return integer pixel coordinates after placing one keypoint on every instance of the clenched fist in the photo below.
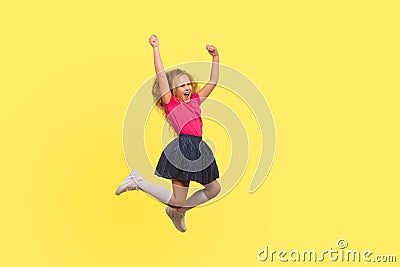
(212, 50)
(153, 40)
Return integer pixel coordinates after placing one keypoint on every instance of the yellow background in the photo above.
(329, 70)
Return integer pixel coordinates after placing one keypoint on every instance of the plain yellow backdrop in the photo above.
(330, 73)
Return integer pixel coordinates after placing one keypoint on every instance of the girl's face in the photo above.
(183, 90)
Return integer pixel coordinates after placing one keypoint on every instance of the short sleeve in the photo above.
(171, 104)
(196, 97)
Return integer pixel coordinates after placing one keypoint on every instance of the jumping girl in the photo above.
(187, 158)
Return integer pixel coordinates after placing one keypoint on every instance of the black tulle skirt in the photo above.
(188, 158)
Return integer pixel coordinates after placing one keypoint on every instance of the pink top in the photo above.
(185, 117)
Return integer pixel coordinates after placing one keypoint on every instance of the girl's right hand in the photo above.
(153, 40)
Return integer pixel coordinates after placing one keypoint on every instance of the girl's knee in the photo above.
(217, 187)
(213, 188)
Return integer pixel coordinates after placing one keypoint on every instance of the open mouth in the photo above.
(186, 97)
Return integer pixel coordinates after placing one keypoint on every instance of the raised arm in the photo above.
(159, 68)
(207, 89)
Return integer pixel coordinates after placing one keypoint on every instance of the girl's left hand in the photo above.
(212, 50)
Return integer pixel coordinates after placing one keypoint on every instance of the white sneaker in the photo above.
(177, 218)
(130, 182)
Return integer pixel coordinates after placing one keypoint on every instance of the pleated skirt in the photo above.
(188, 158)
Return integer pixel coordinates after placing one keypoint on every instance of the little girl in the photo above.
(187, 158)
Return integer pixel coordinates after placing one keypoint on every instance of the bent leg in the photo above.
(209, 191)
(176, 198)
(158, 192)
(180, 190)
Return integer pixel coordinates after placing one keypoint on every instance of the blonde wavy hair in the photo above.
(172, 77)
